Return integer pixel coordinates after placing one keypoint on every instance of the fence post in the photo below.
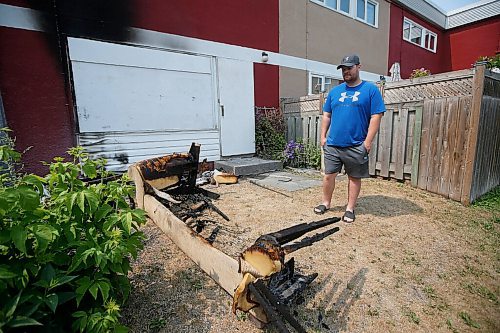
(470, 154)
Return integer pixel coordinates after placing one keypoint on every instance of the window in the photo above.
(418, 35)
(365, 11)
(321, 83)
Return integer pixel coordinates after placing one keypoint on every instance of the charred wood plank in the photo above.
(213, 235)
(217, 210)
(272, 314)
(278, 305)
(308, 241)
(289, 234)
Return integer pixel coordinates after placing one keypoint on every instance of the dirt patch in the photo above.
(412, 261)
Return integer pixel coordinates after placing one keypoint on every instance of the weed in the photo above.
(430, 292)
(490, 201)
(386, 254)
(157, 324)
(242, 316)
(468, 320)
(481, 291)
(412, 316)
(450, 326)
(373, 312)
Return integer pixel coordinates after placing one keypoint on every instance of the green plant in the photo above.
(491, 61)
(412, 316)
(301, 155)
(468, 320)
(490, 200)
(419, 72)
(269, 134)
(65, 246)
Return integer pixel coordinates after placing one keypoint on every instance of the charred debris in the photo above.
(269, 283)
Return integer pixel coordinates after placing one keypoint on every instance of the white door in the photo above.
(135, 103)
(236, 97)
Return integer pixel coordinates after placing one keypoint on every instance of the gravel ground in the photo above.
(412, 262)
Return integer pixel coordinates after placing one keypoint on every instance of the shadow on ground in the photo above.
(331, 314)
(384, 206)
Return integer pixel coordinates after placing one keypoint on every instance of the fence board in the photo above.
(464, 105)
(425, 144)
(416, 146)
(373, 156)
(451, 125)
(385, 142)
(401, 148)
(433, 162)
(442, 140)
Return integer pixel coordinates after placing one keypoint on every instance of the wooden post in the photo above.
(417, 133)
(477, 97)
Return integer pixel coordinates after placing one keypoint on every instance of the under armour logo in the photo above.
(354, 97)
(346, 59)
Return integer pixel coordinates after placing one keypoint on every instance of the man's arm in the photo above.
(372, 130)
(325, 125)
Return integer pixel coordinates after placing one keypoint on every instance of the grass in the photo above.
(482, 291)
(412, 316)
(468, 320)
(490, 201)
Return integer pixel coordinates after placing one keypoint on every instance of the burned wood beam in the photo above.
(278, 305)
(308, 241)
(270, 311)
(289, 234)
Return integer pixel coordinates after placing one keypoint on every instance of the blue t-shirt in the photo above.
(351, 109)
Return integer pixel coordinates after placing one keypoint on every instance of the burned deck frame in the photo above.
(259, 281)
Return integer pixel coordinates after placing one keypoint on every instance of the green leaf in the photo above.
(121, 329)
(65, 296)
(12, 305)
(104, 287)
(92, 199)
(48, 273)
(102, 212)
(84, 284)
(93, 290)
(29, 199)
(52, 301)
(62, 280)
(21, 321)
(127, 222)
(34, 181)
(80, 200)
(79, 314)
(6, 273)
(19, 236)
(89, 169)
(5, 236)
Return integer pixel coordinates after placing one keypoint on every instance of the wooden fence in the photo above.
(440, 132)
(303, 118)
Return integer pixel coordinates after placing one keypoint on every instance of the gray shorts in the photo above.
(354, 159)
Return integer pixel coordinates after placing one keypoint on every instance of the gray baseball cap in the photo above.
(349, 60)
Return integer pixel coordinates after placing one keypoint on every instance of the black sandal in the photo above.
(321, 209)
(348, 215)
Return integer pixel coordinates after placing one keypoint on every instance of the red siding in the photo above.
(250, 23)
(266, 85)
(411, 56)
(470, 42)
(34, 97)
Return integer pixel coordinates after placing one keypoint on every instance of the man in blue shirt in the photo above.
(352, 111)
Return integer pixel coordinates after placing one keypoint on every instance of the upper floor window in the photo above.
(362, 10)
(416, 34)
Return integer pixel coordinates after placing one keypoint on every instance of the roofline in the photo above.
(468, 7)
(439, 17)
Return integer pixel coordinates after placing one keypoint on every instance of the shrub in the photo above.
(269, 134)
(492, 62)
(65, 246)
(419, 72)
